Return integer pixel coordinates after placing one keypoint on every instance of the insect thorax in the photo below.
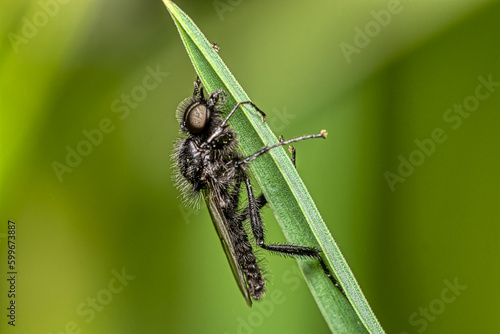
(215, 163)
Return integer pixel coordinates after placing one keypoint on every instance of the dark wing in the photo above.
(220, 224)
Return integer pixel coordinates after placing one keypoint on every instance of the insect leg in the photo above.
(215, 47)
(283, 249)
(262, 114)
(242, 247)
(197, 89)
(223, 125)
(265, 149)
(234, 198)
(291, 149)
(261, 202)
(218, 96)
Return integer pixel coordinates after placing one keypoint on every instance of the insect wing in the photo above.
(220, 224)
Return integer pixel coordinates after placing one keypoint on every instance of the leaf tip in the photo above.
(169, 4)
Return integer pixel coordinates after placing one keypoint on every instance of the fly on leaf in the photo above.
(208, 164)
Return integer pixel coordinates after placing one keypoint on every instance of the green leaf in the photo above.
(286, 193)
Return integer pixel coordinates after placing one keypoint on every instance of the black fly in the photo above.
(207, 162)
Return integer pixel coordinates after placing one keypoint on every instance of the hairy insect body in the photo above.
(205, 167)
(208, 163)
(214, 169)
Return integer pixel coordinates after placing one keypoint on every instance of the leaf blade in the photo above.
(287, 195)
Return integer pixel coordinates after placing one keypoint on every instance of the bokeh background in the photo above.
(105, 245)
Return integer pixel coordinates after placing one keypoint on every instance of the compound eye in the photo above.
(196, 117)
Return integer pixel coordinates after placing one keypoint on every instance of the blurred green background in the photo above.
(380, 76)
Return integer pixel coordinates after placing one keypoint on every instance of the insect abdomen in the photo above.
(247, 261)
